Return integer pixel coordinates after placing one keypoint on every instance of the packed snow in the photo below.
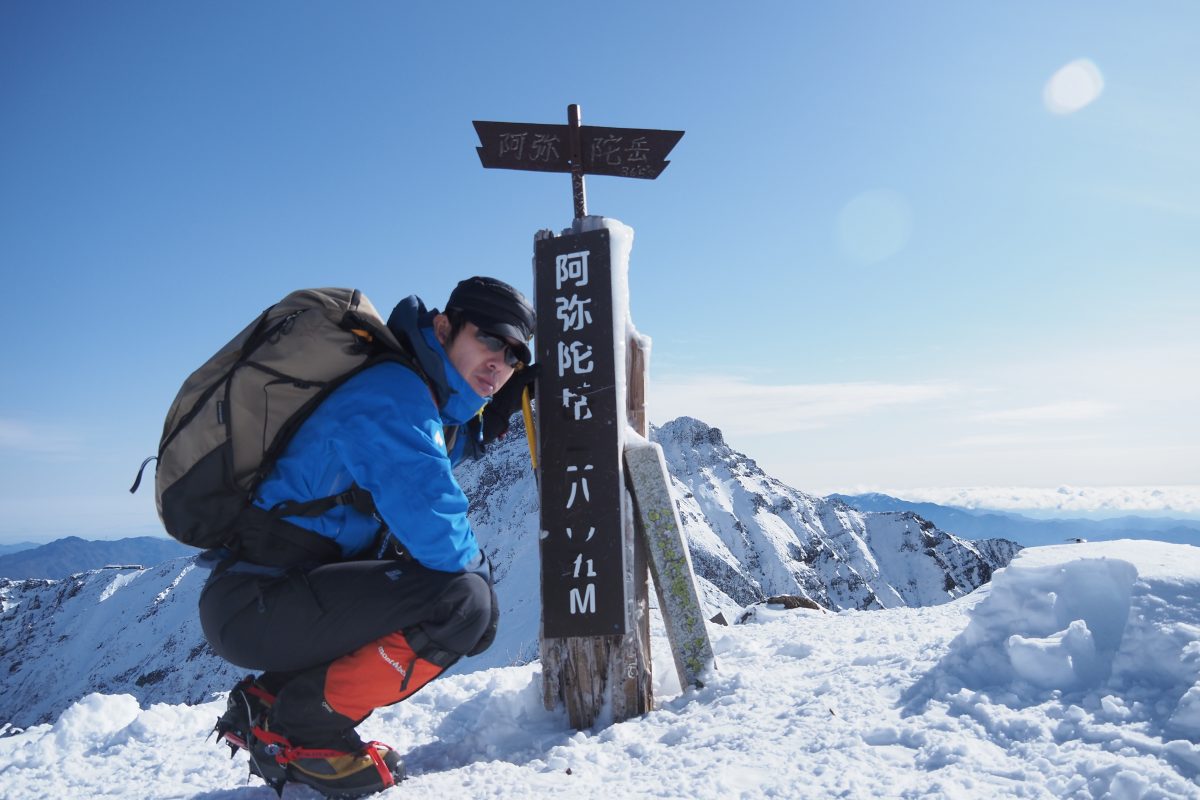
(1074, 673)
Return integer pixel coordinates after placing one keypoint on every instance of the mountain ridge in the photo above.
(16, 547)
(791, 542)
(64, 557)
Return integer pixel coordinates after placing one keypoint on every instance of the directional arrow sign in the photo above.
(577, 149)
(623, 152)
(514, 145)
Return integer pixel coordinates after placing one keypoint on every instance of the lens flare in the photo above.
(1074, 86)
(874, 226)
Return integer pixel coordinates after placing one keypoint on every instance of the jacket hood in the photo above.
(413, 326)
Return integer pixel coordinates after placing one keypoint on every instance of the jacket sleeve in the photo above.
(390, 437)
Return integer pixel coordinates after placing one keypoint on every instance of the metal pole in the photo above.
(573, 121)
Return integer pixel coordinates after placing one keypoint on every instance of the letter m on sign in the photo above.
(584, 603)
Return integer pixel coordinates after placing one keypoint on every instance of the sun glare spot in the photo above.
(1073, 87)
(874, 226)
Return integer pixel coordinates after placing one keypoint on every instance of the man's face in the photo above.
(482, 367)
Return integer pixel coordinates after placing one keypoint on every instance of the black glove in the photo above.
(506, 402)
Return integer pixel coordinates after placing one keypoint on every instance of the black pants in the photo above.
(305, 618)
(294, 626)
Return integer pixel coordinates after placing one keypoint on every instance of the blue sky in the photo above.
(878, 258)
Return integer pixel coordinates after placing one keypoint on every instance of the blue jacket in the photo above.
(383, 429)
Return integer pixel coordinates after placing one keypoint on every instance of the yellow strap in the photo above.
(527, 411)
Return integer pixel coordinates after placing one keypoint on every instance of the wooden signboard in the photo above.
(575, 148)
(580, 451)
(595, 643)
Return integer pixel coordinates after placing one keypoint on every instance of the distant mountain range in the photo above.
(16, 547)
(64, 557)
(1029, 532)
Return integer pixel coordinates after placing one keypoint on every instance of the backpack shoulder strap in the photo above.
(356, 497)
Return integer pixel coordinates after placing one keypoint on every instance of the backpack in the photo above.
(235, 414)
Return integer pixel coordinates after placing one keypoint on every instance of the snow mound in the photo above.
(1055, 627)
(1117, 630)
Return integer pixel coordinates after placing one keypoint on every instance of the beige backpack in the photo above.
(235, 414)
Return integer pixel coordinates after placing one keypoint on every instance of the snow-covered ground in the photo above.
(1075, 673)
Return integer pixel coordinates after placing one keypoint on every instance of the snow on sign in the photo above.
(582, 565)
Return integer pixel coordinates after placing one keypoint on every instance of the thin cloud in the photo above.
(750, 408)
(23, 437)
(1156, 202)
(1180, 499)
(1020, 440)
(1071, 411)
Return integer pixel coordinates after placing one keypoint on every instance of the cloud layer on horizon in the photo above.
(1080, 499)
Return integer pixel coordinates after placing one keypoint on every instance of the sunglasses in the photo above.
(495, 344)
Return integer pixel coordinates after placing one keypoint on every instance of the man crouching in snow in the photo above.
(400, 590)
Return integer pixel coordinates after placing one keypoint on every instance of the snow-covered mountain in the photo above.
(106, 630)
(751, 537)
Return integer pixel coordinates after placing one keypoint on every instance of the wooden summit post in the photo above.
(595, 644)
(592, 655)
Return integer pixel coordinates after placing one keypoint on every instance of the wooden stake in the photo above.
(670, 564)
(576, 145)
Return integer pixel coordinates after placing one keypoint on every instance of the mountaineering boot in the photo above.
(348, 768)
(372, 768)
(246, 707)
(264, 757)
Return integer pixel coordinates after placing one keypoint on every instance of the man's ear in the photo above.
(441, 328)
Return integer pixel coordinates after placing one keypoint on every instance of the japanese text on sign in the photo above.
(583, 572)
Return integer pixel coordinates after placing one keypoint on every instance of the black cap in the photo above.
(496, 308)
